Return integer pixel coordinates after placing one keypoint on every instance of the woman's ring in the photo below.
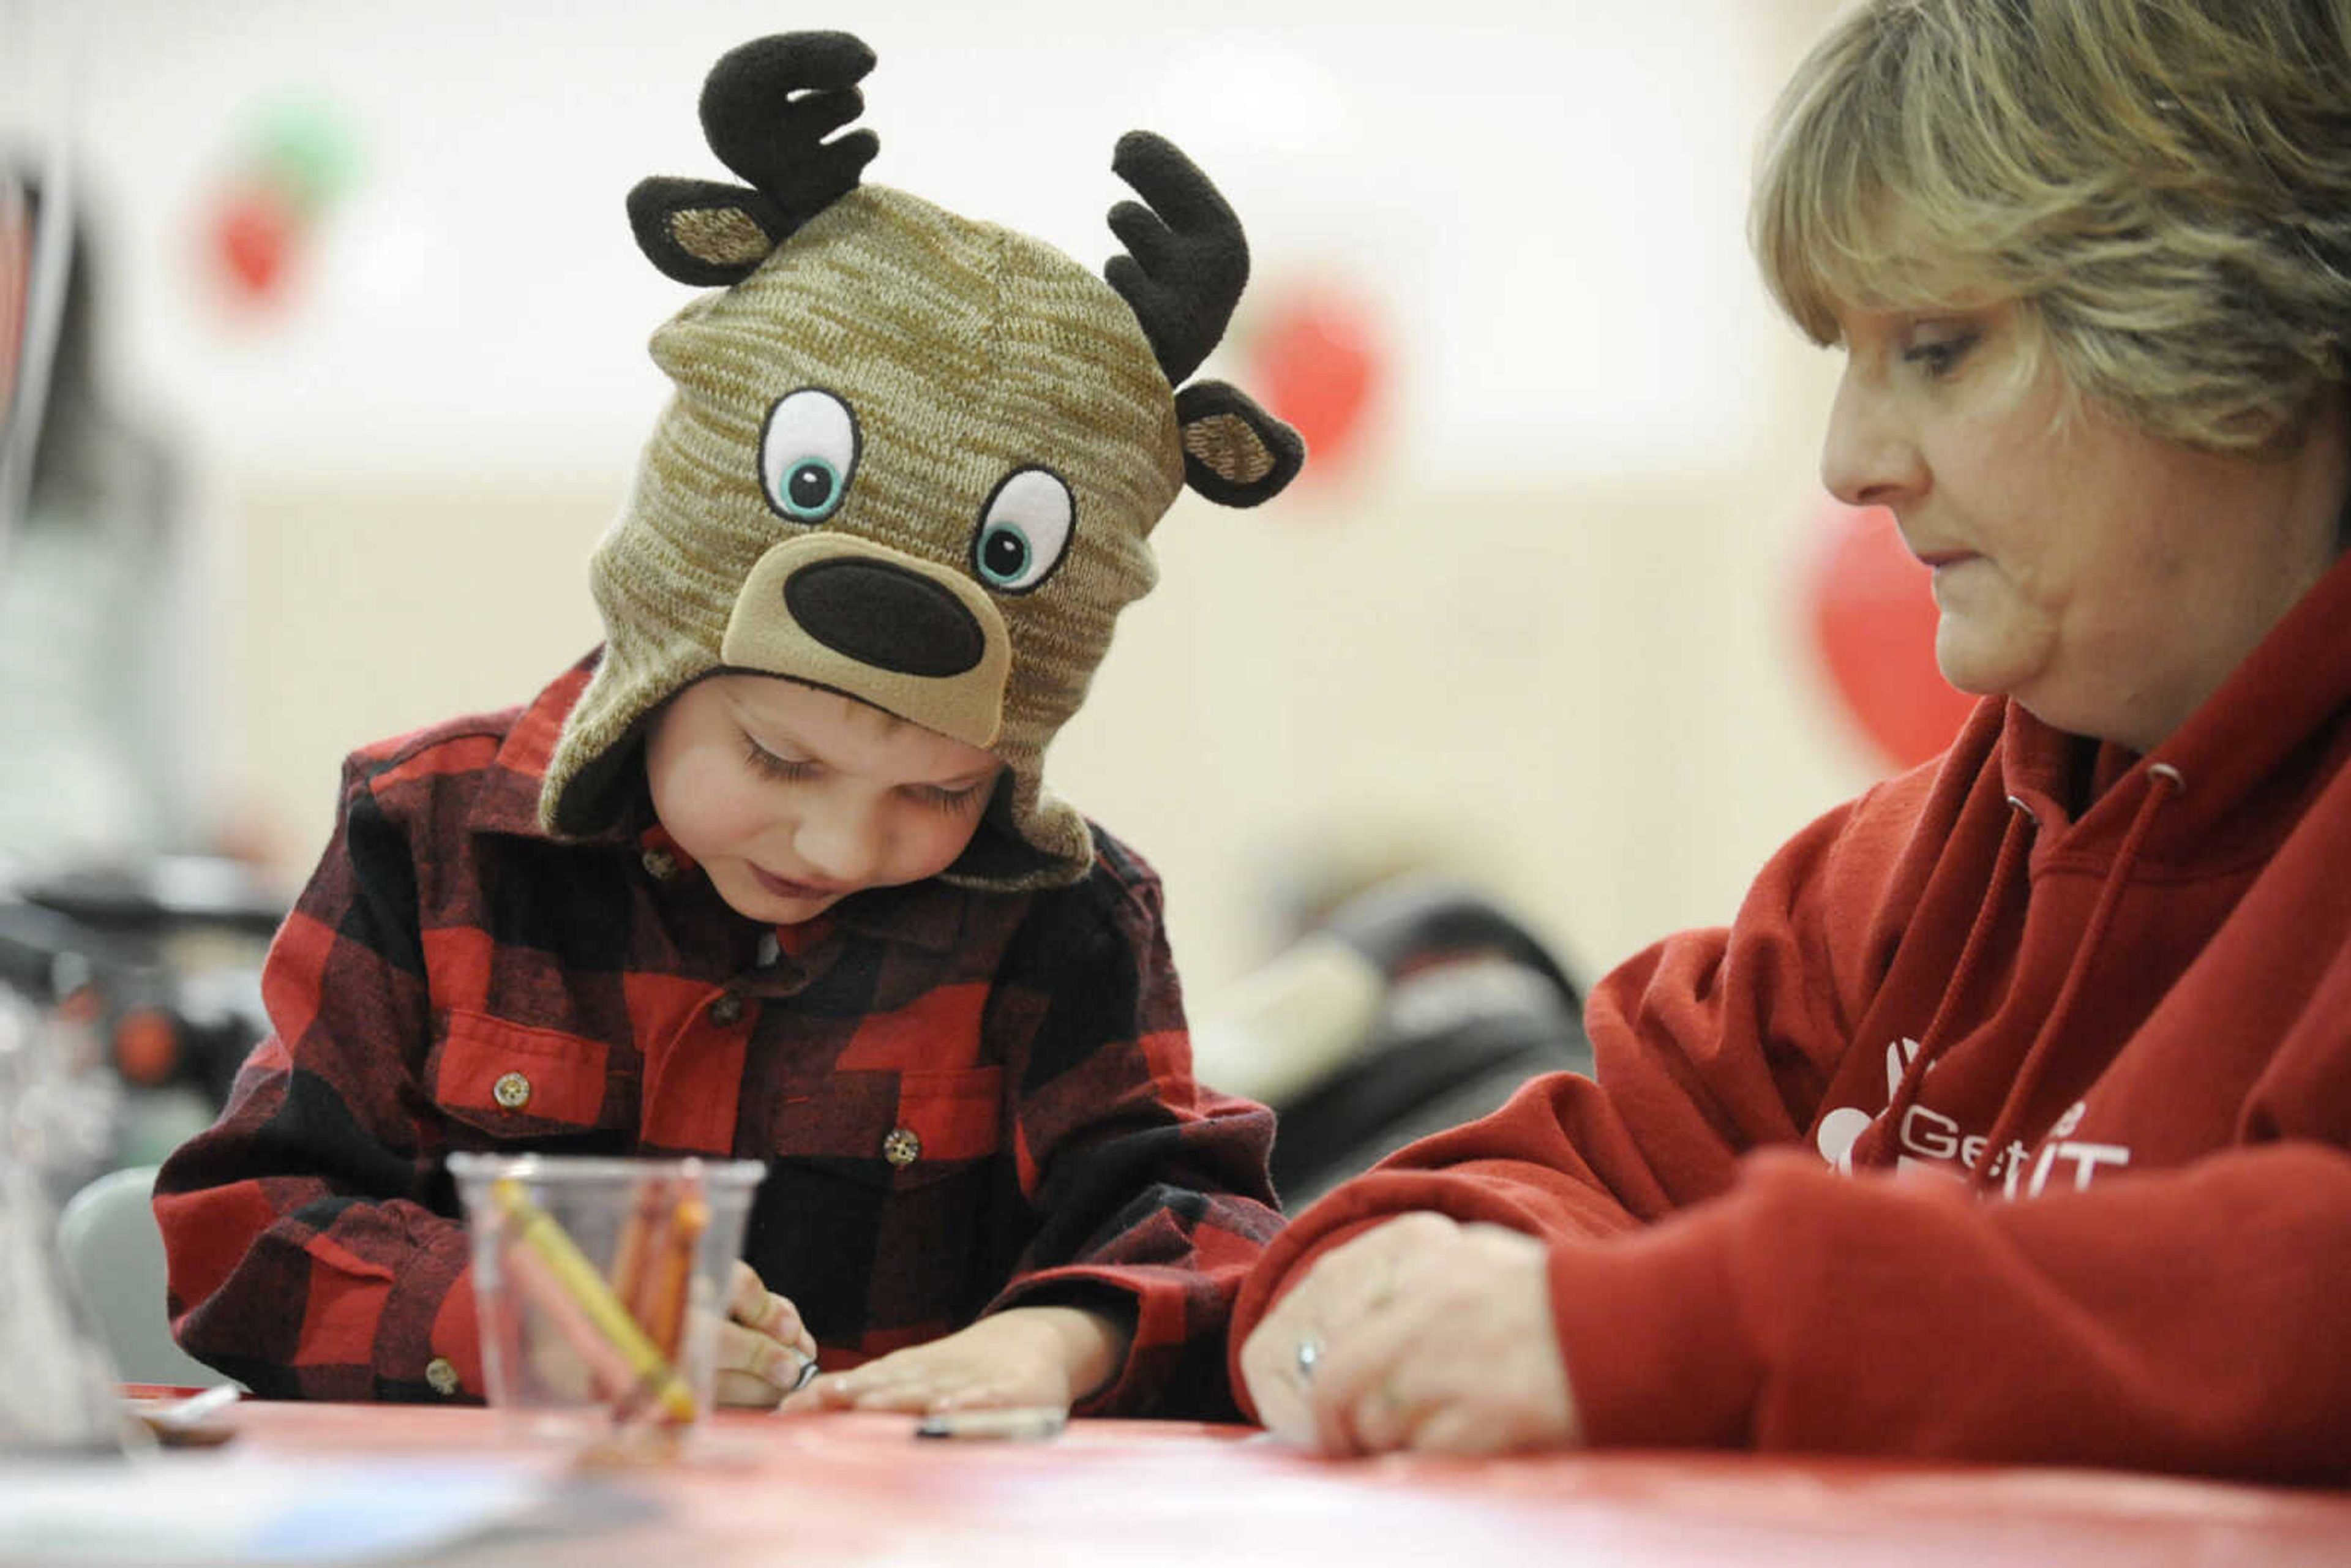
(1310, 1353)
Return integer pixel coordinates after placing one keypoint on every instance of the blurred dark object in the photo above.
(35, 263)
(160, 894)
(138, 959)
(104, 670)
(161, 964)
(1471, 1005)
(156, 970)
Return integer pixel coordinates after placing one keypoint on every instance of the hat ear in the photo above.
(703, 233)
(1234, 453)
(766, 108)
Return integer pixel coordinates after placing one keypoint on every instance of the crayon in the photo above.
(538, 1285)
(1030, 1422)
(532, 1226)
(639, 1234)
(673, 1271)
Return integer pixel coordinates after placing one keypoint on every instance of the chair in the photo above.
(113, 1253)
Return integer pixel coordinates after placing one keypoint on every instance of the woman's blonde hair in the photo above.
(2163, 185)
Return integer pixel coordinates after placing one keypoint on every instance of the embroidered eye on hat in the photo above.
(910, 456)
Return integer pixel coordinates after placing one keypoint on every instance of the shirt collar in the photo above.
(508, 800)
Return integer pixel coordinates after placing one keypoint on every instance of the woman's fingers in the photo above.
(1284, 1357)
(1358, 1379)
(1285, 1360)
(1424, 1333)
(1270, 1367)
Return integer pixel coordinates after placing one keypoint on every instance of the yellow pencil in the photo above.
(534, 1228)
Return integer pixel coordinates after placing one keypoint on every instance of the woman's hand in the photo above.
(1419, 1334)
(762, 1344)
(1020, 1356)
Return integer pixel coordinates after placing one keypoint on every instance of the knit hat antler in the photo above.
(912, 458)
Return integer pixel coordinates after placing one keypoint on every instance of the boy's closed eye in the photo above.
(953, 795)
(765, 761)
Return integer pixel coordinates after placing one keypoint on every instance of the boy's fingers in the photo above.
(747, 1353)
(752, 1304)
(740, 1390)
(746, 1296)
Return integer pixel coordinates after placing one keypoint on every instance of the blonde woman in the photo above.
(2008, 1118)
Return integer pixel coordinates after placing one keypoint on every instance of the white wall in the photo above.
(1547, 629)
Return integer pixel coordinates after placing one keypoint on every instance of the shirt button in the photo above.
(511, 1091)
(441, 1375)
(660, 864)
(768, 949)
(901, 1147)
(726, 1009)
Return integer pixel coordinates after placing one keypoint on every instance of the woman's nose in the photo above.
(1868, 457)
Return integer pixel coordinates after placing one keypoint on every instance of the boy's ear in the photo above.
(1234, 453)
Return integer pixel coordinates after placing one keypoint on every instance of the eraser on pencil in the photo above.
(1029, 1423)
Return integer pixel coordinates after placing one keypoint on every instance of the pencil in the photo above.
(535, 1229)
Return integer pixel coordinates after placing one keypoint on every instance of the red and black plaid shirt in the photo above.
(1033, 1045)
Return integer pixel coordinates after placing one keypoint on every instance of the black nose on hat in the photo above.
(885, 616)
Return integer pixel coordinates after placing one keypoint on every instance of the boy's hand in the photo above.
(1421, 1334)
(1020, 1356)
(762, 1345)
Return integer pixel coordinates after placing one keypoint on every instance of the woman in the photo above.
(2009, 1118)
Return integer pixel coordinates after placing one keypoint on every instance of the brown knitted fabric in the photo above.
(963, 354)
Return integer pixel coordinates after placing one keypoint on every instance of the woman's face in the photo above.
(2105, 579)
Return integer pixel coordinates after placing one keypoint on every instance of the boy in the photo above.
(773, 874)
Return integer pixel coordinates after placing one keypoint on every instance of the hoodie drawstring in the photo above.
(2164, 783)
(1876, 1148)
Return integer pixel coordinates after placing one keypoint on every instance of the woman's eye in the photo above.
(807, 454)
(1024, 531)
(1938, 356)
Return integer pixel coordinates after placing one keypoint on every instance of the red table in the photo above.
(813, 1491)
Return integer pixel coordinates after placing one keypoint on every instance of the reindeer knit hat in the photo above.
(911, 457)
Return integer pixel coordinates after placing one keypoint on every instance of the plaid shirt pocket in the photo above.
(893, 1130)
(512, 1079)
(875, 1214)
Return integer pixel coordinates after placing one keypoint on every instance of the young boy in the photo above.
(773, 874)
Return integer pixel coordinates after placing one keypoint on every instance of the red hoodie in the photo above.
(2121, 1029)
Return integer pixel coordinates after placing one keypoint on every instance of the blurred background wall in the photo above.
(1538, 616)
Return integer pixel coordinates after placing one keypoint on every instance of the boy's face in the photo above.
(791, 798)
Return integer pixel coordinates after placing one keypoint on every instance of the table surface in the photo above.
(817, 1491)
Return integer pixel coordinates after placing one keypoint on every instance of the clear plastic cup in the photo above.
(600, 1282)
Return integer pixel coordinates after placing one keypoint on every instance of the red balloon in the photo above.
(254, 231)
(1873, 615)
(1318, 366)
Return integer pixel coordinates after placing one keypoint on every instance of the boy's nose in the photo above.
(1867, 456)
(840, 844)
